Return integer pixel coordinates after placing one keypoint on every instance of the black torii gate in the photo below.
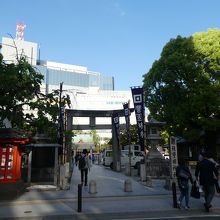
(93, 114)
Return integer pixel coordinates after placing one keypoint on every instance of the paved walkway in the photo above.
(110, 197)
(108, 184)
(111, 183)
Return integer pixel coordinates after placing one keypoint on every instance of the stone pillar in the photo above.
(29, 168)
(149, 181)
(56, 167)
(64, 176)
(92, 187)
(118, 166)
(143, 171)
(127, 169)
(127, 186)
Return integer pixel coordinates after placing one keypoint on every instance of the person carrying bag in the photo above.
(195, 193)
(183, 176)
(206, 173)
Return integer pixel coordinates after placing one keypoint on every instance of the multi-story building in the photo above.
(88, 90)
(12, 49)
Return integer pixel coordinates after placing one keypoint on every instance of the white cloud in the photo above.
(119, 9)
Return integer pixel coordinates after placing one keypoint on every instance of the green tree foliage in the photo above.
(96, 140)
(182, 87)
(47, 108)
(124, 136)
(19, 86)
(19, 90)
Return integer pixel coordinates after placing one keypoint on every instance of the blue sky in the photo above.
(119, 38)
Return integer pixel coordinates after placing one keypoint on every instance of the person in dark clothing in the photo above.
(205, 173)
(77, 158)
(183, 176)
(217, 187)
(84, 166)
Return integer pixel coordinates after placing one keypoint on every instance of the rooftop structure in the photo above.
(13, 49)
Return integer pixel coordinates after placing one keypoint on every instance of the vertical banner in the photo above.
(116, 153)
(138, 99)
(173, 157)
(127, 119)
(115, 120)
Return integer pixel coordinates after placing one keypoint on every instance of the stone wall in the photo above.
(45, 174)
(157, 168)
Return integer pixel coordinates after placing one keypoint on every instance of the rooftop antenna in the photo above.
(20, 26)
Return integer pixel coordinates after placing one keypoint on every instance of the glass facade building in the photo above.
(69, 78)
(54, 73)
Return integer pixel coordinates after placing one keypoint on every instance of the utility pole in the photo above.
(61, 125)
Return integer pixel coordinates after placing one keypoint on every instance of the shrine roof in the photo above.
(11, 133)
(12, 136)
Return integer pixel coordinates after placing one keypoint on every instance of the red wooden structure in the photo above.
(10, 155)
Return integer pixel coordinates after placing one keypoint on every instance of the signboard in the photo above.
(173, 157)
(138, 99)
(20, 30)
(115, 121)
(127, 119)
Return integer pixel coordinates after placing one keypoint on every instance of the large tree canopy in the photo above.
(19, 86)
(21, 100)
(183, 86)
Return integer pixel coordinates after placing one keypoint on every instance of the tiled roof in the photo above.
(9, 133)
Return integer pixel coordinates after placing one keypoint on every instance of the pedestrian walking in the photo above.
(84, 167)
(77, 156)
(217, 187)
(183, 177)
(205, 173)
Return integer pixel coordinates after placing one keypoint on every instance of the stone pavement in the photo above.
(110, 197)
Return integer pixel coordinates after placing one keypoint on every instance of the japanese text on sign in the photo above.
(173, 157)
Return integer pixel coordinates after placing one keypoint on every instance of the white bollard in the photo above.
(118, 166)
(127, 169)
(143, 172)
(168, 183)
(149, 181)
(92, 187)
(127, 186)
